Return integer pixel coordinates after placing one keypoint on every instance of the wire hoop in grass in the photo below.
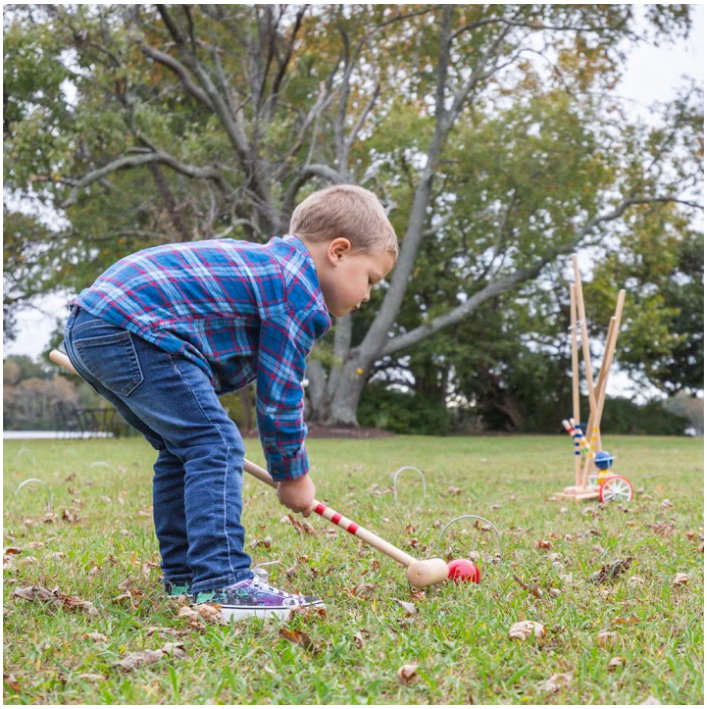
(483, 519)
(34, 480)
(395, 481)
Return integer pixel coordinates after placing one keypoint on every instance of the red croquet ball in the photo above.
(463, 570)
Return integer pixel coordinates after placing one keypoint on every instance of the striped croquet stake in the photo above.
(578, 436)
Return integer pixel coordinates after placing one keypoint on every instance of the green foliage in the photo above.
(402, 412)
(534, 154)
(621, 416)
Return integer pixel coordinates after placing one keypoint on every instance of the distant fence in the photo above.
(77, 422)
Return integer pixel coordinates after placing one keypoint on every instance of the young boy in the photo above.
(166, 330)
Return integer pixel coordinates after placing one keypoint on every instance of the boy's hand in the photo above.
(297, 495)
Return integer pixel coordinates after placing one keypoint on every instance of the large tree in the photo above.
(491, 132)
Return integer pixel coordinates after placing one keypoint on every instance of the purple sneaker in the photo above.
(255, 597)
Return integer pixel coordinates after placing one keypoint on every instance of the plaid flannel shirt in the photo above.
(238, 310)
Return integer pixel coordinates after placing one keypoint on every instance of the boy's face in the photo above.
(346, 279)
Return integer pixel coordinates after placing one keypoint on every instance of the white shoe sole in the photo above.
(276, 612)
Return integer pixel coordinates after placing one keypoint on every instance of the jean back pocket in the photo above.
(110, 357)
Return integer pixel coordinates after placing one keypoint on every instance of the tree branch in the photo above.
(132, 161)
(180, 70)
(503, 285)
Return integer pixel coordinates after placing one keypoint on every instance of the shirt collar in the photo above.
(297, 243)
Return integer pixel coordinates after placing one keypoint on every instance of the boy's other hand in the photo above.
(297, 495)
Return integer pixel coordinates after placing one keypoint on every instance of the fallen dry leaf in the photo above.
(407, 675)
(606, 638)
(98, 637)
(155, 629)
(267, 543)
(359, 641)
(663, 529)
(363, 590)
(10, 681)
(525, 628)
(148, 657)
(70, 603)
(680, 579)
(616, 662)
(556, 682)
(533, 589)
(611, 571)
(626, 621)
(12, 550)
(667, 504)
(543, 544)
(298, 638)
(70, 517)
(452, 491)
(410, 608)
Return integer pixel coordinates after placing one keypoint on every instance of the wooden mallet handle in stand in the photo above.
(420, 573)
(575, 379)
(585, 334)
(595, 417)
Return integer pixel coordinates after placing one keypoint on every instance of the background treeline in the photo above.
(32, 392)
(495, 135)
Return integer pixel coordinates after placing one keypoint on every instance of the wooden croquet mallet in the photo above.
(420, 573)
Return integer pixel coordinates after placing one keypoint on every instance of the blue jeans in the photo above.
(198, 477)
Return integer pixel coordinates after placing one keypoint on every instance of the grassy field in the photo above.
(458, 637)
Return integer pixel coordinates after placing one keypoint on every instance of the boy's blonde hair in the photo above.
(345, 211)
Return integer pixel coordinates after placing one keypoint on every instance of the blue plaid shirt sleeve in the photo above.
(285, 342)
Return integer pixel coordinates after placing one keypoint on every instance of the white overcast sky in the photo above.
(652, 74)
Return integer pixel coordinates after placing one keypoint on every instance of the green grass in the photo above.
(459, 638)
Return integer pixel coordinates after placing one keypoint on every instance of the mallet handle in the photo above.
(585, 335)
(339, 520)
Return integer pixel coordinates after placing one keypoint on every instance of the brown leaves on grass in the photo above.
(543, 544)
(533, 590)
(267, 543)
(606, 638)
(525, 628)
(615, 663)
(70, 517)
(362, 591)
(663, 529)
(148, 657)
(680, 579)
(204, 611)
(407, 674)
(611, 571)
(10, 682)
(96, 637)
(556, 682)
(303, 527)
(299, 638)
(69, 603)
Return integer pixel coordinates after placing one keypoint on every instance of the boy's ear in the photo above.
(338, 248)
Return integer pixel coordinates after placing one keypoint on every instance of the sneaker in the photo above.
(256, 598)
(173, 590)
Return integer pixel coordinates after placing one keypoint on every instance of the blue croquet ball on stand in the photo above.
(603, 460)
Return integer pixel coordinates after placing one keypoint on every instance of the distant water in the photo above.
(28, 435)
